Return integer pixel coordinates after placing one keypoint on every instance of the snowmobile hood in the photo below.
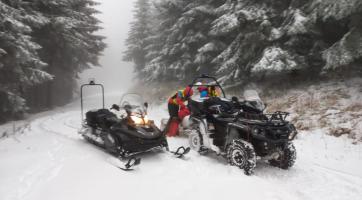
(143, 132)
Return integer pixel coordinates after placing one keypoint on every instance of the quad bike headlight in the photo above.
(292, 135)
(255, 131)
(258, 131)
(293, 132)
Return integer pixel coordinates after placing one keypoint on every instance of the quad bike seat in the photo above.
(220, 106)
(196, 107)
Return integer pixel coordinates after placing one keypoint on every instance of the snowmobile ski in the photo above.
(181, 151)
(130, 164)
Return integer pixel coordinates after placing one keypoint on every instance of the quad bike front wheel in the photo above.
(286, 158)
(241, 154)
(195, 141)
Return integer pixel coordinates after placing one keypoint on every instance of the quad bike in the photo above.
(240, 131)
(132, 133)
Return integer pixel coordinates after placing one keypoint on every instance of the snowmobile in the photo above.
(239, 130)
(124, 130)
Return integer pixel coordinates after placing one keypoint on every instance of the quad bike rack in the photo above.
(278, 115)
(90, 84)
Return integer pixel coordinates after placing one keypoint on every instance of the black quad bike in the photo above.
(124, 130)
(239, 130)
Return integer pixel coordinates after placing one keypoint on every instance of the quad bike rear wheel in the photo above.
(287, 157)
(241, 154)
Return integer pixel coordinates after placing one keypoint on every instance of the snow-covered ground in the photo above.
(51, 161)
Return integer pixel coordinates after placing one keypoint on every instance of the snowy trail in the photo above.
(51, 161)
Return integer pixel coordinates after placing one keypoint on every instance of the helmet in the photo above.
(188, 91)
(204, 93)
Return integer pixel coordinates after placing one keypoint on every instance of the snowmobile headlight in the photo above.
(140, 120)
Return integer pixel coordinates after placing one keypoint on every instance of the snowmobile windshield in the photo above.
(135, 107)
(252, 97)
(133, 103)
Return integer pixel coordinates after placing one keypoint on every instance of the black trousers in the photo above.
(173, 110)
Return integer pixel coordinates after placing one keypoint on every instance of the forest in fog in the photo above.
(44, 45)
(243, 41)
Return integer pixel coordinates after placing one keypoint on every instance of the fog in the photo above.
(115, 74)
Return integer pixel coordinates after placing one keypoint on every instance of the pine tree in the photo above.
(183, 37)
(247, 40)
(20, 65)
(343, 27)
(69, 46)
(157, 65)
(139, 34)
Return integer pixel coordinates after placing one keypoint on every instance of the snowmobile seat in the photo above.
(102, 118)
(91, 118)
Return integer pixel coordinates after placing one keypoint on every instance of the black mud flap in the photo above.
(181, 151)
(130, 164)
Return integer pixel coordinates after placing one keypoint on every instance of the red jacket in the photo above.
(178, 99)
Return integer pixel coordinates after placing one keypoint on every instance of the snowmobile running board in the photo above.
(179, 153)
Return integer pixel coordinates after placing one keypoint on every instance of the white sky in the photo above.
(115, 74)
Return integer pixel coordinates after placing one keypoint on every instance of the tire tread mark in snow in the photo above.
(336, 171)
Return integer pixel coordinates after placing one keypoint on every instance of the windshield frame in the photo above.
(136, 107)
(214, 83)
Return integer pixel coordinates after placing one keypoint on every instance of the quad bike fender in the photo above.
(237, 131)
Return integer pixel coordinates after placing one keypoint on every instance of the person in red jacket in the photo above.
(178, 110)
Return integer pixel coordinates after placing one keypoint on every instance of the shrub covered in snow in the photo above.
(334, 107)
(274, 60)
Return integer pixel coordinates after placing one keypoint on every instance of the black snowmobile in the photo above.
(124, 130)
(239, 131)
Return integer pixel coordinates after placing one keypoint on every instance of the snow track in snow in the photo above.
(51, 161)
